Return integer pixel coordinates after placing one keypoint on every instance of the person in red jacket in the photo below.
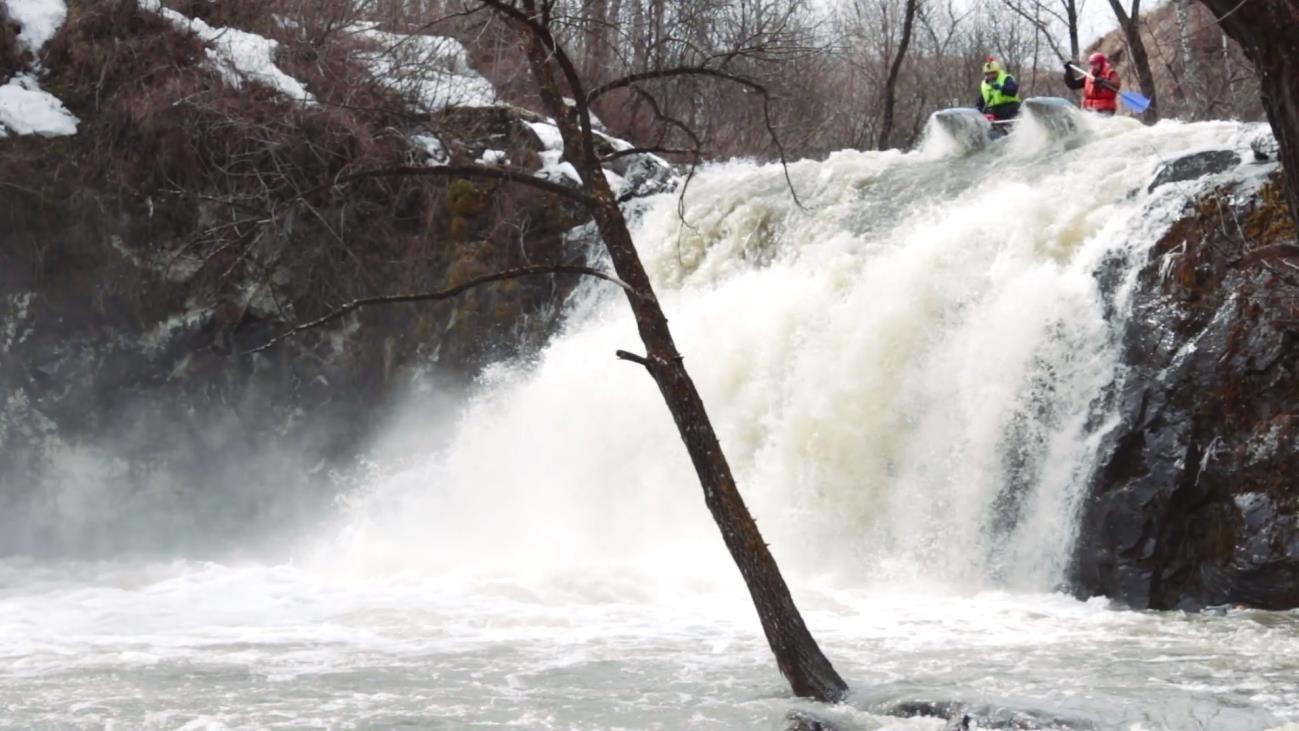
(1101, 89)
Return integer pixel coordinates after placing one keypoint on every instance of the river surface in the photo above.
(909, 374)
(201, 646)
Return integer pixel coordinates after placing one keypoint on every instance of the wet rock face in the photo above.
(1196, 502)
(1195, 166)
(133, 415)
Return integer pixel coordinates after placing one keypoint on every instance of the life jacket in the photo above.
(994, 97)
(1097, 97)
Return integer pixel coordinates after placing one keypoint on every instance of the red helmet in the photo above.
(1098, 59)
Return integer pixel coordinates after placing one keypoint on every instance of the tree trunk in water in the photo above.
(891, 83)
(1131, 26)
(1266, 30)
(797, 654)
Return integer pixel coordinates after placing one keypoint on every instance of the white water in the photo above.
(906, 377)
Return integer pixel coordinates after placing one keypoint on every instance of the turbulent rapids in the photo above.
(909, 373)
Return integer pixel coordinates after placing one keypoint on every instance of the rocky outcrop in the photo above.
(1196, 501)
(143, 259)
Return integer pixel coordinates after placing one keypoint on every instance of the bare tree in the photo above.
(1129, 22)
(891, 83)
(1266, 30)
(1045, 19)
(1190, 79)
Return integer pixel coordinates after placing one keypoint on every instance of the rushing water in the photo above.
(907, 373)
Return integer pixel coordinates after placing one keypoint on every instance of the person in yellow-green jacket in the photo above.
(999, 93)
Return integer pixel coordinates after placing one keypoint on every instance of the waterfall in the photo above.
(907, 368)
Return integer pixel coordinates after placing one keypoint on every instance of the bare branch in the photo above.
(668, 73)
(518, 273)
(460, 171)
(632, 79)
(696, 153)
(649, 151)
(1037, 23)
(632, 358)
(540, 31)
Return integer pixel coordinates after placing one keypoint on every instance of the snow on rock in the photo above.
(27, 110)
(239, 56)
(494, 157)
(549, 134)
(433, 147)
(595, 121)
(433, 71)
(24, 108)
(553, 167)
(560, 171)
(40, 20)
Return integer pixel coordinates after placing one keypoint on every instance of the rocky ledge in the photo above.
(1195, 501)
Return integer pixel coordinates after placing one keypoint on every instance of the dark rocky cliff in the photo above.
(144, 257)
(1196, 501)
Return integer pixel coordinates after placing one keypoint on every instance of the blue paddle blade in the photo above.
(1135, 101)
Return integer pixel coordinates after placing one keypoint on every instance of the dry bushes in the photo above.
(121, 70)
(226, 187)
(250, 15)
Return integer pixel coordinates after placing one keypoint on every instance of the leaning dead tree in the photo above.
(797, 654)
(567, 100)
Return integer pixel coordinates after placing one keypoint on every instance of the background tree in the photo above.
(891, 82)
(1130, 24)
(1190, 78)
(1266, 30)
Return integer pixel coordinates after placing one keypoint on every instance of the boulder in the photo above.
(1196, 499)
(1265, 147)
(1192, 167)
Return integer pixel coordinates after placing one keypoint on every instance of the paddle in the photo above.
(1135, 101)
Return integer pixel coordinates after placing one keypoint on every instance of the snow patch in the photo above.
(237, 55)
(165, 332)
(40, 20)
(549, 134)
(559, 171)
(617, 183)
(25, 109)
(433, 147)
(553, 166)
(432, 71)
(494, 157)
